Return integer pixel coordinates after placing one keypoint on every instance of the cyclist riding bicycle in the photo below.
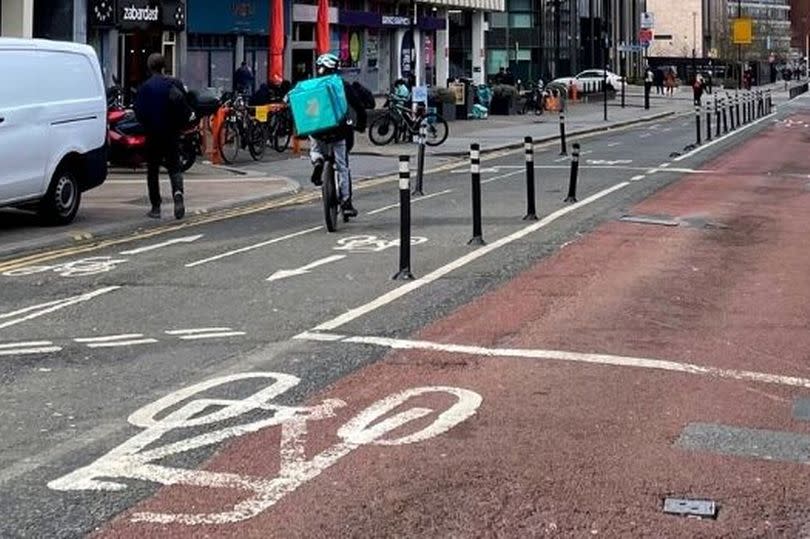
(338, 140)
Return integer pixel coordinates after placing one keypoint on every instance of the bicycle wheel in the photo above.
(257, 140)
(283, 133)
(229, 141)
(437, 129)
(382, 130)
(329, 195)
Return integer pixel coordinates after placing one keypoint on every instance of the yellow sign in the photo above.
(743, 31)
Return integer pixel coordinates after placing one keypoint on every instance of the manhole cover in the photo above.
(649, 220)
(690, 508)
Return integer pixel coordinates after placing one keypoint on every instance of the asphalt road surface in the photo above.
(286, 334)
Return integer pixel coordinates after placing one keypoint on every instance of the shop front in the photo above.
(126, 32)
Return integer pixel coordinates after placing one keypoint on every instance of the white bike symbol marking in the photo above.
(79, 268)
(131, 460)
(371, 244)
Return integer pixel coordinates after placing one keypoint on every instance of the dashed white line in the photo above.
(195, 330)
(24, 344)
(637, 178)
(52, 306)
(413, 200)
(645, 135)
(109, 338)
(114, 344)
(255, 246)
(220, 335)
(30, 351)
(313, 336)
(614, 144)
(405, 289)
(502, 176)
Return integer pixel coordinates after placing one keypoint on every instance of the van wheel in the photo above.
(61, 202)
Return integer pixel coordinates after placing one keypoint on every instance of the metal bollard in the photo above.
(731, 122)
(572, 184)
(698, 130)
(475, 172)
(737, 106)
(750, 107)
(725, 116)
(717, 114)
(564, 150)
(420, 162)
(708, 124)
(404, 273)
(745, 107)
(531, 210)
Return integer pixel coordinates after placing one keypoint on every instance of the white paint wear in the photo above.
(146, 249)
(35, 311)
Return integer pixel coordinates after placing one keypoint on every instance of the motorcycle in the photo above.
(126, 137)
(536, 99)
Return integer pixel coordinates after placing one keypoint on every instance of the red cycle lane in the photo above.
(643, 361)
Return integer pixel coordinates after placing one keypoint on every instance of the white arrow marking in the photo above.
(187, 239)
(52, 306)
(283, 274)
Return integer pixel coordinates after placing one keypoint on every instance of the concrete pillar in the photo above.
(442, 45)
(240, 49)
(478, 50)
(18, 18)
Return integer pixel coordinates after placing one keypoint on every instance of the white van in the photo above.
(53, 126)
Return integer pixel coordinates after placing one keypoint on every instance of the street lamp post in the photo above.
(739, 47)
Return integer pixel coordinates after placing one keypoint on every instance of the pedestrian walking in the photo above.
(659, 81)
(162, 107)
(670, 82)
(243, 80)
(649, 80)
(697, 89)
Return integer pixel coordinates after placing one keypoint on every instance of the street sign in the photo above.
(645, 36)
(743, 31)
(648, 20)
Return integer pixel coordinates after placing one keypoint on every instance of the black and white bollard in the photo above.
(563, 145)
(745, 108)
(404, 273)
(698, 130)
(531, 209)
(717, 114)
(725, 115)
(572, 184)
(475, 172)
(418, 189)
(708, 124)
(731, 122)
(738, 120)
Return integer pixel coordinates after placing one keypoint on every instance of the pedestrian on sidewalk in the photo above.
(649, 80)
(659, 81)
(162, 108)
(697, 89)
(670, 82)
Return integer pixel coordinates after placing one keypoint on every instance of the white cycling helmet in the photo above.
(328, 61)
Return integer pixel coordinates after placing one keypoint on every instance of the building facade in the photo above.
(800, 26)
(772, 33)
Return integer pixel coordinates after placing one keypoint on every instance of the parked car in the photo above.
(53, 126)
(592, 76)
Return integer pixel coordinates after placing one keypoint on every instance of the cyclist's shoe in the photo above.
(348, 209)
(317, 172)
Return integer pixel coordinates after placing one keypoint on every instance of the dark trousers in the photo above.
(162, 150)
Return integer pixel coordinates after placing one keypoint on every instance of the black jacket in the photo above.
(357, 115)
(160, 107)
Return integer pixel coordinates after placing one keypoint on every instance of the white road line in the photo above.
(645, 135)
(146, 249)
(413, 199)
(255, 246)
(325, 337)
(30, 351)
(724, 137)
(502, 176)
(561, 159)
(195, 330)
(614, 144)
(133, 342)
(401, 291)
(24, 344)
(109, 338)
(52, 306)
(220, 335)
(637, 178)
(664, 165)
(579, 357)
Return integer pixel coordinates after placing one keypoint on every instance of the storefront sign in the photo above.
(133, 14)
(407, 54)
(101, 13)
(372, 50)
(225, 17)
(392, 20)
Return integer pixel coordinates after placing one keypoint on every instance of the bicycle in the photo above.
(330, 193)
(399, 121)
(535, 101)
(239, 131)
(280, 129)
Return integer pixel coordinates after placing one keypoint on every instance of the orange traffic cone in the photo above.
(219, 119)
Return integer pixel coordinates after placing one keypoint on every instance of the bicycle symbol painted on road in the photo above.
(79, 268)
(131, 460)
(371, 244)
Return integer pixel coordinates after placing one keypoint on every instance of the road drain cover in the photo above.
(690, 508)
(649, 220)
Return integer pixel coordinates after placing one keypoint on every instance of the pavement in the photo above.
(254, 376)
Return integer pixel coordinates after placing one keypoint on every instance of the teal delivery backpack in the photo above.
(318, 104)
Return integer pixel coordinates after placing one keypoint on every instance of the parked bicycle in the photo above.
(240, 131)
(280, 129)
(399, 123)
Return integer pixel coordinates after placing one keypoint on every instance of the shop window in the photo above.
(498, 20)
(306, 31)
(520, 20)
(222, 69)
(496, 59)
